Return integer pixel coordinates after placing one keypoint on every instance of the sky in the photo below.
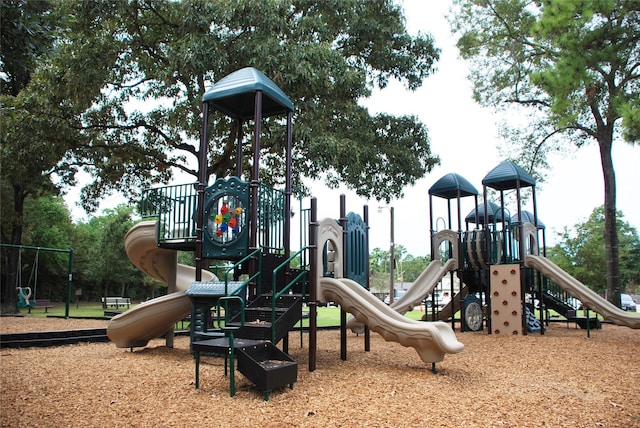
(465, 137)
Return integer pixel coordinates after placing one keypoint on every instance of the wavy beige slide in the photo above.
(422, 286)
(588, 297)
(153, 318)
(432, 340)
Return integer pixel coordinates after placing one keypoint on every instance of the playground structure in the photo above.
(248, 288)
(240, 229)
(500, 266)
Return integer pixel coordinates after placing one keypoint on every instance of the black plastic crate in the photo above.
(267, 366)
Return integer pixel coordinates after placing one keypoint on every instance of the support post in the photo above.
(313, 280)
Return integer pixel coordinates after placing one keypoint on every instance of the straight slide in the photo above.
(432, 340)
(588, 297)
(153, 318)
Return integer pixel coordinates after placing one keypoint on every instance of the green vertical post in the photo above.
(69, 281)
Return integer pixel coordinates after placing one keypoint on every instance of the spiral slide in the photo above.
(422, 286)
(580, 291)
(432, 340)
(155, 317)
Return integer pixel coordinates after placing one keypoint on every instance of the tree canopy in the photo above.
(114, 89)
(581, 252)
(157, 58)
(571, 69)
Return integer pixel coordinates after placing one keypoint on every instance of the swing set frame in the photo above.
(54, 250)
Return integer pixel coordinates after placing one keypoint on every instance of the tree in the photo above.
(116, 91)
(379, 270)
(43, 109)
(25, 36)
(101, 266)
(48, 224)
(326, 56)
(573, 68)
(581, 252)
(414, 266)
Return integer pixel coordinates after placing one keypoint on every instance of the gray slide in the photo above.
(432, 340)
(423, 285)
(588, 297)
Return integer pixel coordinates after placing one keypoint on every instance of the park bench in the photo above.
(115, 302)
(42, 304)
(112, 305)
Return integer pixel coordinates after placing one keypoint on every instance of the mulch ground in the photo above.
(561, 379)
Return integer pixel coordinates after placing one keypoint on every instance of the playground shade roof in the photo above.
(527, 217)
(507, 176)
(493, 210)
(234, 95)
(452, 186)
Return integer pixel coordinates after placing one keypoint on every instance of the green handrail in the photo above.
(238, 263)
(226, 300)
(287, 287)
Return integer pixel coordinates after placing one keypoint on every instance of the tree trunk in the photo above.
(605, 140)
(9, 295)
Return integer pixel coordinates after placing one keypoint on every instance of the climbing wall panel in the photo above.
(506, 299)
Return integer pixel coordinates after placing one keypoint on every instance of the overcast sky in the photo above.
(464, 136)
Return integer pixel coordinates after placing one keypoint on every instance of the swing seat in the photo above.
(24, 293)
(24, 304)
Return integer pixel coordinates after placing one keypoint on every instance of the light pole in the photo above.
(391, 253)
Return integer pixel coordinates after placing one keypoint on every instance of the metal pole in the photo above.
(392, 260)
(69, 281)
(202, 183)
(313, 290)
(343, 262)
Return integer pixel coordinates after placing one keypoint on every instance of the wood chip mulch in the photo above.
(561, 379)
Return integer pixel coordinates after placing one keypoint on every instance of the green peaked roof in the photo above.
(493, 210)
(506, 176)
(451, 186)
(234, 95)
(527, 217)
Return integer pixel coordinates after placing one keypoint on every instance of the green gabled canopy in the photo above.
(493, 210)
(451, 186)
(234, 95)
(506, 176)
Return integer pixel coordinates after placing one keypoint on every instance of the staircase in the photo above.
(266, 319)
(567, 311)
(256, 331)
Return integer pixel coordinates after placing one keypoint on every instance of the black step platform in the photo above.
(259, 361)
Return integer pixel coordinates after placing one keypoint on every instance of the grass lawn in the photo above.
(327, 316)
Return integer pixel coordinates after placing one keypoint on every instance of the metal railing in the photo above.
(175, 207)
(276, 294)
(257, 253)
(271, 216)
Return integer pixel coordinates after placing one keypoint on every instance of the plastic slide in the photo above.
(431, 340)
(450, 308)
(422, 286)
(155, 317)
(588, 297)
